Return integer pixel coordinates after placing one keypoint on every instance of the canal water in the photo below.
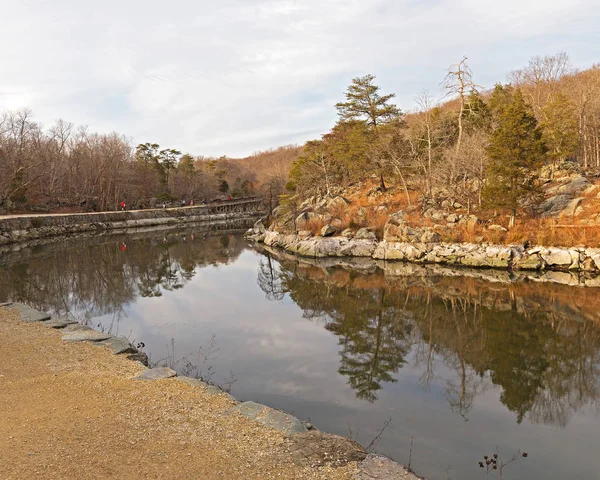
(456, 366)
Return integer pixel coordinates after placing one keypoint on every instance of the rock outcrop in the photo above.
(506, 257)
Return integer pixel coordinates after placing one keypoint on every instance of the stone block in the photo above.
(159, 373)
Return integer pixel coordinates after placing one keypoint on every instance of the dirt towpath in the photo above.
(73, 411)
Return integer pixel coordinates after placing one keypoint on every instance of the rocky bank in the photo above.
(402, 243)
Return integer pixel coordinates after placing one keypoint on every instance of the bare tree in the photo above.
(459, 81)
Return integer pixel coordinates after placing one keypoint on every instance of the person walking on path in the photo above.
(123, 206)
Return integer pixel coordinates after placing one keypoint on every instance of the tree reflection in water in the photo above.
(90, 277)
(539, 343)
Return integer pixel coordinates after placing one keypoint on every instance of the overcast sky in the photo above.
(236, 76)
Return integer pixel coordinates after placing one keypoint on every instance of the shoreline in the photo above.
(16, 229)
(570, 266)
(297, 449)
(12, 252)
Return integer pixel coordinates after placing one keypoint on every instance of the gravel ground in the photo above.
(73, 411)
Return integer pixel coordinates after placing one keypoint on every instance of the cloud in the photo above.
(242, 75)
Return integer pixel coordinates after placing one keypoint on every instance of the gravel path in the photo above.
(73, 411)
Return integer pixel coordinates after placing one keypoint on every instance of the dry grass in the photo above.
(376, 221)
(314, 225)
(544, 232)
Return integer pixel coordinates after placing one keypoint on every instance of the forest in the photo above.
(487, 148)
(493, 147)
(69, 168)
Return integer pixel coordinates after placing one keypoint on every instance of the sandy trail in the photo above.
(73, 411)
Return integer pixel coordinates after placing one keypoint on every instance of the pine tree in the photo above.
(363, 102)
(561, 128)
(516, 150)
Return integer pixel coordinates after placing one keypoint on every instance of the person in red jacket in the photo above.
(122, 206)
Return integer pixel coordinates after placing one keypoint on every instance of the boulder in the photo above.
(315, 449)
(400, 233)
(259, 227)
(337, 202)
(59, 323)
(400, 251)
(429, 236)
(207, 387)
(365, 234)
(159, 373)
(377, 467)
(396, 218)
(452, 218)
(557, 257)
(358, 248)
(337, 224)
(304, 234)
(77, 327)
(528, 261)
(328, 231)
(307, 203)
(348, 233)
(29, 314)
(572, 208)
(438, 216)
(139, 357)
(573, 186)
(304, 218)
(275, 419)
(553, 206)
(329, 247)
(85, 336)
(594, 255)
(497, 228)
(118, 345)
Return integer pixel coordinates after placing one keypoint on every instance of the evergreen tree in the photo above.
(476, 114)
(499, 101)
(561, 128)
(516, 150)
(223, 186)
(363, 102)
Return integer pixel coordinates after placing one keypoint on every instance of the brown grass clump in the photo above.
(314, 225)
(376, 221)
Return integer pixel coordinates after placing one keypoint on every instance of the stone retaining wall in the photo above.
(581, 263)
(17, 229)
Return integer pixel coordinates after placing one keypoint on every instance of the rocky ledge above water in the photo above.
(584, 262)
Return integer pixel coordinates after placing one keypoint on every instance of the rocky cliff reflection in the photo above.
(539, 343)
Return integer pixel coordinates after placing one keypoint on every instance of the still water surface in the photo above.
(461, 366)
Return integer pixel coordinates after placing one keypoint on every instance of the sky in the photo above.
(232, 77)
